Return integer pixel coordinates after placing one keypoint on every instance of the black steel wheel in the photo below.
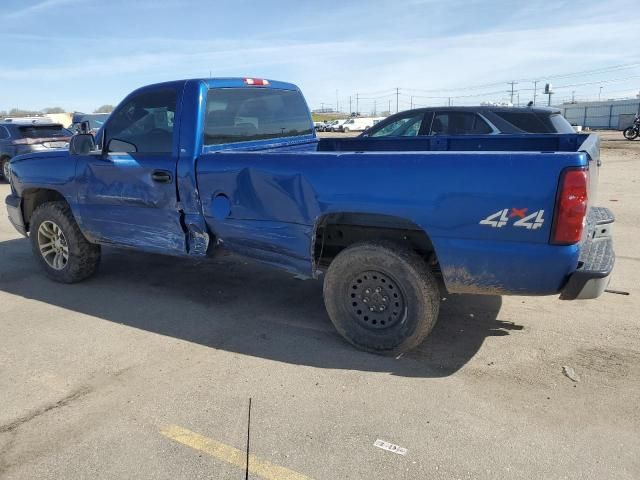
(377, 301)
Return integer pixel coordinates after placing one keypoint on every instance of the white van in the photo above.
(357, 124)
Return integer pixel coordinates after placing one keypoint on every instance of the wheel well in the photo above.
(33, 198)
(336, 231)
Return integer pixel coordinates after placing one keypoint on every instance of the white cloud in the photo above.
(38, 7)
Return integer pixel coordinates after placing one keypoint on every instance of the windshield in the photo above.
(246, 114)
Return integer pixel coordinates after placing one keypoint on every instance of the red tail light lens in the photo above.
(571, 207)
(256, 82)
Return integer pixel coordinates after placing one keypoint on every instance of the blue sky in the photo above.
(80, 54)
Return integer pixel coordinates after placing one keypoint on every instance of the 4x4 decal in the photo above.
(501, 218)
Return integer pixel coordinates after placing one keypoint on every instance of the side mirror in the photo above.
(82, 144)
(121, 146)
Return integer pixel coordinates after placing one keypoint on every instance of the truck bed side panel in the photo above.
(270, 202)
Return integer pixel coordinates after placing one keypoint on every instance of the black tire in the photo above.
(630, 133)
(383, 269)
(4, 163)
(83, 257)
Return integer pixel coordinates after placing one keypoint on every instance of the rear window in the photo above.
(44, 131)
(560, 124)
(246, 114)
(525, 121)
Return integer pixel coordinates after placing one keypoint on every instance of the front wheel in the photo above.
(381, 297)
(5, 171)
(630, 133)
(57, 242)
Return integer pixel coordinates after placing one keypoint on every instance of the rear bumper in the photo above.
(596, 260)
(14, 209)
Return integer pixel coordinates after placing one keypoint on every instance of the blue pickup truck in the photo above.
(193, 167)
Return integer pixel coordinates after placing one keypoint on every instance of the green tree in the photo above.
(104, 109)
(53, 110)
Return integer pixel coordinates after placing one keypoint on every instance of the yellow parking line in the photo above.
(234, 456)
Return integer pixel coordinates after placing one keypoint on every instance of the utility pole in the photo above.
(449, 101)
(322, 107)
(599, 93)
(337, 104)
(357, 105)
(513, 84)
(350, 105)
(389, 107)
(374, 108)
(518, 98)
(411, 102)
(573, 96)
(397, 98)
(535, 91)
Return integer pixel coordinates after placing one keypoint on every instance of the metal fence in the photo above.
(613, 115)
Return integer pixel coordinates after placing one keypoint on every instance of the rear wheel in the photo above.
(5, 171)
(381, 297)
(630, 133)
(346, 130)
(57, 242)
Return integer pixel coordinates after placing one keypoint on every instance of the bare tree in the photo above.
(53, 110)
(18, 112)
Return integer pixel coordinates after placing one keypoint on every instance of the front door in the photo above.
(128, 194)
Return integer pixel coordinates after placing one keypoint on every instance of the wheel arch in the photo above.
(334, 232)
(32, 198)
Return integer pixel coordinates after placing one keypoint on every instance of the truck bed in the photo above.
(444, 186)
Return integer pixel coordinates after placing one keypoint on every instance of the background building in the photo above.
(613, 114)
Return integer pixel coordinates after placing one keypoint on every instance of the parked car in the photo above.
(327, 125)
(319, 126)
(96, 120)
(238, 166)
(336, 125)
(480, 120)
(19, 136)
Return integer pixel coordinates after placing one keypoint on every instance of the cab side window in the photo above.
(459, 123)
(144, 124)
(408, 126)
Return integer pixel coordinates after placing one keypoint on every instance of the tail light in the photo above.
(571, 206)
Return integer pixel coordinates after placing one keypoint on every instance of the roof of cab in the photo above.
(224, 82)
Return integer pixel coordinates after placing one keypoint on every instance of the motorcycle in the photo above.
(632, 132)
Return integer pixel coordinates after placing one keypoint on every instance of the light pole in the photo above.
(599, 93)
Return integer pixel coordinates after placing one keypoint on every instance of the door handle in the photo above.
(161, 176)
